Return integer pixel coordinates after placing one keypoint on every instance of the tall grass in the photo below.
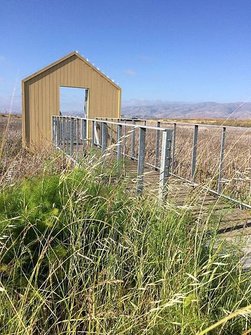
(79, 255)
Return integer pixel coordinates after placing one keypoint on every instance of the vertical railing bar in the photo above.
(63, 133)
(68, 134)
(84, 132)
(80, 132)
(165, 163)
(157, 146)
(57, 132)
(77, 134)
(194, 151)
(71, 136)
(93, 134)
(101, 129)
(173, 146)
(222, 149)
(75, 122)
(104, 137)
(124, 146)
(133, 141)
(119, 144)
(53, 130)
(141, 160)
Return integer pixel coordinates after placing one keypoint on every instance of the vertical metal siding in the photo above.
(41, 97)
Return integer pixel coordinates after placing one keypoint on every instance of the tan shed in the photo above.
(41, 96)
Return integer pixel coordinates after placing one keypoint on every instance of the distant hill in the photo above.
(178, 110)
(206, 110)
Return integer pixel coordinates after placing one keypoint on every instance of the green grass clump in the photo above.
(80, 256)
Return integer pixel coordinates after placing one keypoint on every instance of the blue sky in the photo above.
(172, 50)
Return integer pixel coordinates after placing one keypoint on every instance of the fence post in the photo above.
(93, 134)
(223, 137)
(133, 141)
(98, 133)
(157, 146)
(63, 132)
(124, 144)
(71, 135)
(141, 160)
(165, 163)
(77, 133)
(119, 144)
(84, 132)
(53, 130)
(104, 137)
(194, 153)
(57, 132)
(68, 134)
(173, 145)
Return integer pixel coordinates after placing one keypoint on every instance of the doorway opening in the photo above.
(74, 101)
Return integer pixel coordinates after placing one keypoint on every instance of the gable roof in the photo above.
(71, 54)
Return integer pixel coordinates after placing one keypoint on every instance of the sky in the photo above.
(169, 50)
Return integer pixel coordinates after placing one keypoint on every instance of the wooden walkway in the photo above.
(233, 221)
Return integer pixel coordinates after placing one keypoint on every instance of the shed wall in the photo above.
(41, 97)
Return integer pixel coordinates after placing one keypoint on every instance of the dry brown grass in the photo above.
(16, 162)
(215, 122)
(236, 166)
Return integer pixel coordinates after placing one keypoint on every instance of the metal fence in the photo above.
(198, 154)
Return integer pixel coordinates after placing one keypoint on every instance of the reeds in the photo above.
(79, 255)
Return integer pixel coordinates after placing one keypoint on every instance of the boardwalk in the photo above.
(153, 176)
(184, 196)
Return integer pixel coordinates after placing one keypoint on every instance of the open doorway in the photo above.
(74, 101)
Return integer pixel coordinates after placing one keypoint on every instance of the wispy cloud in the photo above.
(130, 72)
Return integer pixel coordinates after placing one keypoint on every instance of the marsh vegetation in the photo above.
(80, 255)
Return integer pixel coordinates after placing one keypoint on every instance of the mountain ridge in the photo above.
(165, 109)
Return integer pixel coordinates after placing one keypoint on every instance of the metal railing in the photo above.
(157, 144)
(194, 146)
(126, 140)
